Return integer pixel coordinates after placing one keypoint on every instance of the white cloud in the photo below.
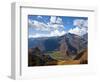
(75, 31)
(54, 27)
(56, 23)
(80, 23)
(57, 33)
(59, 20)
(39, 16)
(51, 34)
(80, 27)
(33, 36)
(40, 26)
(78, 31)
(30, 24)
(55, 20)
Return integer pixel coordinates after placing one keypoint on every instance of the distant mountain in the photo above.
(69, 43)
(45, 43)
(75, 43)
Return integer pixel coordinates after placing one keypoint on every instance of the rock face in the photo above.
(45, 51)
(63, 48)
(83, 57)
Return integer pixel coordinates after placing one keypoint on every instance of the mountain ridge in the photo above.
(73, 42)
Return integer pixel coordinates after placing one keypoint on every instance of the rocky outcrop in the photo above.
(83, 57)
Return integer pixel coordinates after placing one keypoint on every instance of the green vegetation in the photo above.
(56, 55)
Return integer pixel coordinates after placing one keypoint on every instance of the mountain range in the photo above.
(73, 43)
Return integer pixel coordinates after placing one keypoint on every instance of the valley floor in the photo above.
(56, 58)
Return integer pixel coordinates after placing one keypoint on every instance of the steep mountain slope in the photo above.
(68, 44)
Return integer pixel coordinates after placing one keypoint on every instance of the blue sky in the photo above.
(45, 26)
